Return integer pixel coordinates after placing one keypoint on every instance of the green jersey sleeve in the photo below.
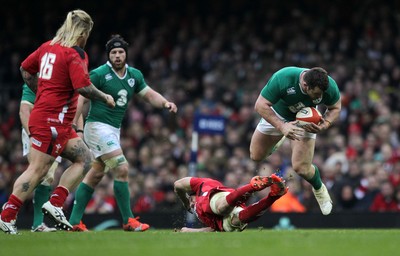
(272, 91)
(27, 94)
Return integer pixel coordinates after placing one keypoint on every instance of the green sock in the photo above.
(42, 194)
(316, 181)
(121, 193)
(82, 196)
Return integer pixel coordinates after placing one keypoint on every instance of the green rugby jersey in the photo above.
(284, 92)
(121, 89)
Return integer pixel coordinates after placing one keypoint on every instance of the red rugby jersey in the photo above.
(61, 70)
(204, 189)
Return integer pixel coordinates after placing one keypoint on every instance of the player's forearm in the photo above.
(24, 113)
(265, 111)
(182, 195)
(29, 79)
(91, 92)
(206, 229)
(155, 99)
(332, 113)
(182, 189)
(78, 119)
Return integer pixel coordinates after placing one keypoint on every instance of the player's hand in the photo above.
(324, 124)
(292, 131)
(80, 134)
(312, 128)
(110, 101)
(171, 107)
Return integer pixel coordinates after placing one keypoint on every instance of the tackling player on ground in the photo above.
(221, 208)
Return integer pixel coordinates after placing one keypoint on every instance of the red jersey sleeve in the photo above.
(195, 183)
(32, 63)
(78, 70)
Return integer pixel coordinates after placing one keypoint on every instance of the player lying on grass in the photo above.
(224, 209)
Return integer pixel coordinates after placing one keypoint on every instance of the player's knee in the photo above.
(118, 163)
(302, 169)
(121, 172)
(255, 157)
(94, 177)
(48, 181)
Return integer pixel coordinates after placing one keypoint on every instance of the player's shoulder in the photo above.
(134, 72)
(80, 52)
(102, 69)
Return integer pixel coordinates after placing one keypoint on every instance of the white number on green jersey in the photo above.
(46, 65)
(122, 100)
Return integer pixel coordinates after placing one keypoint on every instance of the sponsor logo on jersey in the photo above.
(290, 91)
(131, 82)
(108, 77)
(36, 142)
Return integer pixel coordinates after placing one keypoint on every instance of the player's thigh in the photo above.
(76, 151)
(219, 205)
(102, 139)
(302, 155)
(261, 144)
(39, 161)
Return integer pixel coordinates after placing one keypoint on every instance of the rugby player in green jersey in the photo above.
(287, 91)
(102, 131)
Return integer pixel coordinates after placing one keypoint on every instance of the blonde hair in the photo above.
(78, 23)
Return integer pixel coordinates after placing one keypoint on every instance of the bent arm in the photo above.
(206, 229)
(263, 107)
(80, 110)
(182, 189)
(158, 101)
(289, 129)
(91, 92)
(24, 113)
(30, 79)
(332, 113)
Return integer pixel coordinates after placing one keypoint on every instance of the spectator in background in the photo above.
(62, 67)
(287, 91)
(102, 131)
(385, 200)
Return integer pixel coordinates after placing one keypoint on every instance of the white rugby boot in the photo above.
(56, 214)
(8, 227)
(323, 199)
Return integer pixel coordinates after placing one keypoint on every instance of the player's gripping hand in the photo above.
(292, 131)
(110, 101)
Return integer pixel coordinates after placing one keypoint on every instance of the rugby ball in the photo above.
(308, 115)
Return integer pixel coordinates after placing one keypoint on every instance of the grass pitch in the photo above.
(321, 242)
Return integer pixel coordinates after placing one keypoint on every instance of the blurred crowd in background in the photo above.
(214, 57)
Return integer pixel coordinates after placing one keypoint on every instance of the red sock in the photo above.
(239, 194)
(257, 209)
(59, 196)
(11, 209)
